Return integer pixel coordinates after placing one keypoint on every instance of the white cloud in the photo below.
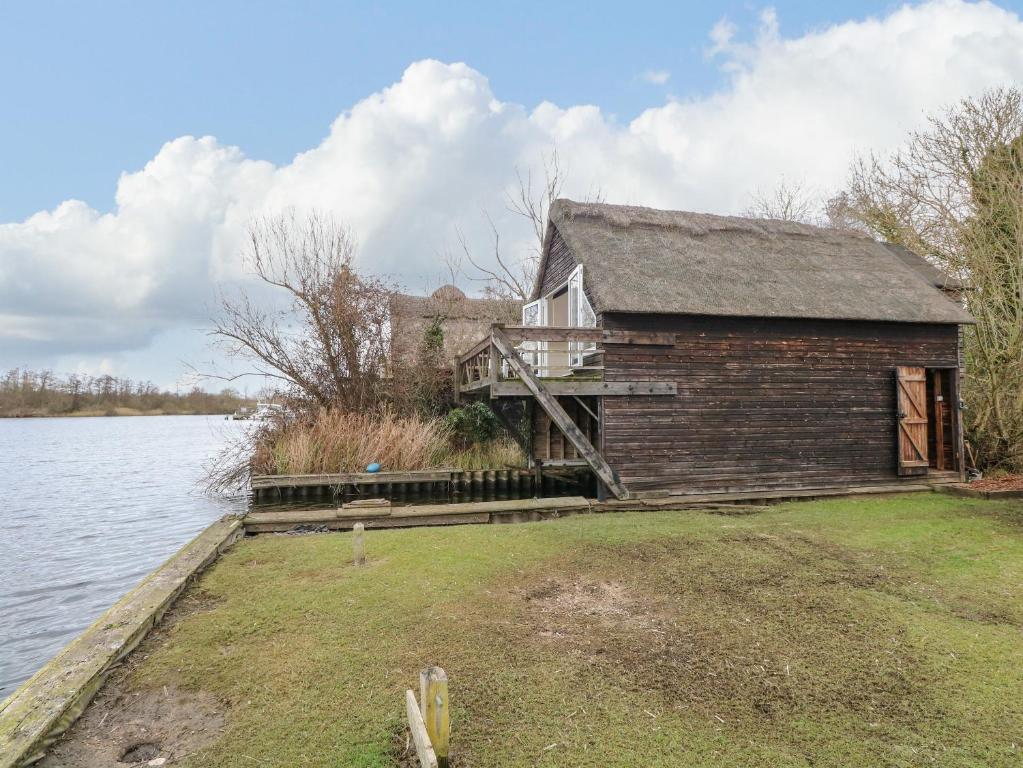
(406, 165)
(657, 76)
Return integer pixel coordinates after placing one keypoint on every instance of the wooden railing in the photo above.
(551, 353)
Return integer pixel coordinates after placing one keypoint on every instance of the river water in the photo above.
(88, 507)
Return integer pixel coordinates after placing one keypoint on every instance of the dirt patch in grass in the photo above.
(588, 603)
(133, 728)
(191, 602)
(124, 726)
(744, 626)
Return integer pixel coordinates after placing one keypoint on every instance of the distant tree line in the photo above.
(24, 392)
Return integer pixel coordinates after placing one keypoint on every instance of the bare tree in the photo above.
(507, 276)
(954, 194)
(329, 342)
(789, 201)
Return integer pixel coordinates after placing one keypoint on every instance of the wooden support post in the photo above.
(456, 370)
(494, 362)
(939, 421)
(433, 702)
(359, 543)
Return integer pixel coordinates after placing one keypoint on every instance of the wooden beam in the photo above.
(547, 333)
(639, 338)
(519, 333)
(584, 388)
(476, 349)
(553, 408)
(424, 750)
(958, 446)
(555, 463)
(476, 386)
(585, 407)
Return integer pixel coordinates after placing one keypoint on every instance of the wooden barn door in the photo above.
(911, 398)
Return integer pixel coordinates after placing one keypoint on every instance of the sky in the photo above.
(137, 140)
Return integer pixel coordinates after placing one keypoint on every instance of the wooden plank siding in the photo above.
(558, 266)
(763, 403)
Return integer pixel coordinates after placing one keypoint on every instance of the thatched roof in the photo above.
(673, 262)
(464, 320)
(928, 271)
(450, 302)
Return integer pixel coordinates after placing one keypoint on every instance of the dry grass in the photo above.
(337, 441)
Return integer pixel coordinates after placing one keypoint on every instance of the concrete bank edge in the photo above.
(46, 704)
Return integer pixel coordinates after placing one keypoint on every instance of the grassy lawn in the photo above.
(871, 632)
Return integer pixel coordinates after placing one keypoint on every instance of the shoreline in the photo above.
(112, 412)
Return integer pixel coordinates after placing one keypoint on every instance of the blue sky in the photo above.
(93, 89)
(137, 139)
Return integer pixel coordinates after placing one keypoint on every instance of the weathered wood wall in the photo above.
(763, 404)
(559, 265)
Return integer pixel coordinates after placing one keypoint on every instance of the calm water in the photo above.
(88, 507)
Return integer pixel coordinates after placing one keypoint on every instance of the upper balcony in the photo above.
(568, 361)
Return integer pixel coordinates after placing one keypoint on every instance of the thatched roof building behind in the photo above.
(463, 320)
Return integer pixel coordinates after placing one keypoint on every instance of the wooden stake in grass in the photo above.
(421, 739)
(433, 701)
(359, 543)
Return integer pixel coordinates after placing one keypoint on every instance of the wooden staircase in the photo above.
(583, 447)
(497, 368)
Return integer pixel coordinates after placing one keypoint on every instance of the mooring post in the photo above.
(433, 702)
(359, 543)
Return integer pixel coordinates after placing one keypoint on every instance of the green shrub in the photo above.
(473, 424)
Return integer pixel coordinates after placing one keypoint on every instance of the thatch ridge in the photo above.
(675, 262)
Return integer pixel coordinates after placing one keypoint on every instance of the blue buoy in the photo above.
(374, 467)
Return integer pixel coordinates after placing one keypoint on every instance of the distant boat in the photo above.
(261, 412)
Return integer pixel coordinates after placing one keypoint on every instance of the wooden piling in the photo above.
(433, 703)
(359, 543)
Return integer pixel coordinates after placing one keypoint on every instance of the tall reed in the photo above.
(339, 441)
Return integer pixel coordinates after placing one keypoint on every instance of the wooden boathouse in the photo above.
(679, 353)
